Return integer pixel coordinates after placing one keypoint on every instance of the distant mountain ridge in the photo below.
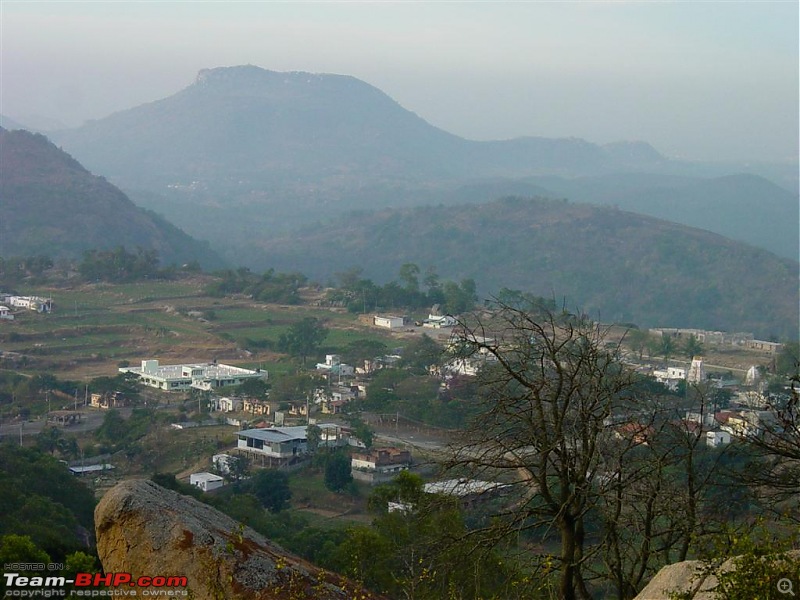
(52, 205)
(244, 153)
(613, 264)
(743, 207)
(259, 125)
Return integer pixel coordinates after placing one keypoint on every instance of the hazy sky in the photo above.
(701, 80)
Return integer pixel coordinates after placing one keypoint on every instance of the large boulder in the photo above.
(146, 530)
(691, 578)
(697, 580)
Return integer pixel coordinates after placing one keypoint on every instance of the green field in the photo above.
(93, 328)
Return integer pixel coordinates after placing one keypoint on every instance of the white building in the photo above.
(670, 376)
(228, 404)
(388, 321)
(697, 372)
(715, 439)
(5, 313)
(206, 481)
(379, 464)
(36, 303)
(334, 366)
(752, 399)
(467, 491)
(203, 376)
(439, 321)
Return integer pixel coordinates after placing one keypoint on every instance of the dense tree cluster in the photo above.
(280, 288)
(119, 265)
(303, 338)
(361, 295)
(14, 269)
(41, 499)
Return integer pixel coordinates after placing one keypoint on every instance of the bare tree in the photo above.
(775, 439)
(585, 452)
(549, 386)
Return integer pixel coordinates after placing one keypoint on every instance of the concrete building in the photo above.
(388, 321)
(762, 346)
(670, 376)
(226, 404)
(379, 464)
(203, 376)
(206, 481)
(439, 321)
(697, 372)
(255, 406)
(467, 491)
(287, 442)
(35, 303)
(715, 439)
(333, 365)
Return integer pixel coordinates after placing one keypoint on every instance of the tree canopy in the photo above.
(304, 338)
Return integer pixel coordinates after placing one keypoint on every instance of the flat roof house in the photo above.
(285, 442)
(274, 442)
(206, 481)
(203, 376)
(467, 491)
(379, 464)
(388, 321)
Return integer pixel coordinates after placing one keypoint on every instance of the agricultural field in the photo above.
(95, 328)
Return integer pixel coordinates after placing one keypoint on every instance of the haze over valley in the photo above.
(392, 300)
(284, 170)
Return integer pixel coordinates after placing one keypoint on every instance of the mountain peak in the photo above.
(243, 76)
(230, 74)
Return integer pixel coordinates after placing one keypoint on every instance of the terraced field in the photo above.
(95, 328)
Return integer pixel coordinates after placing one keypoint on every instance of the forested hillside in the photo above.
(610, 263)
(51, 205)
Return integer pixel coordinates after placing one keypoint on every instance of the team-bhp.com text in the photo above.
(94, 585)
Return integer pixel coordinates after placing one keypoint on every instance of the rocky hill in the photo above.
(146, 530)
(613, 264)
(52, 205)
(247, 126)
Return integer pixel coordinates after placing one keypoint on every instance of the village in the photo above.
(286, 435)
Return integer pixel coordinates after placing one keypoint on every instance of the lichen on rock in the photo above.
(147, 530)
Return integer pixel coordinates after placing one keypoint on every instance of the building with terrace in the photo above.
(201, 376)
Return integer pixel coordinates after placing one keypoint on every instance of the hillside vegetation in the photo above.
(612, 264)
(244, 153)
(54, 206)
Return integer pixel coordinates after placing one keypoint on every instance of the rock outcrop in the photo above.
(146, 530)
(696, 580)
(690, 577)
